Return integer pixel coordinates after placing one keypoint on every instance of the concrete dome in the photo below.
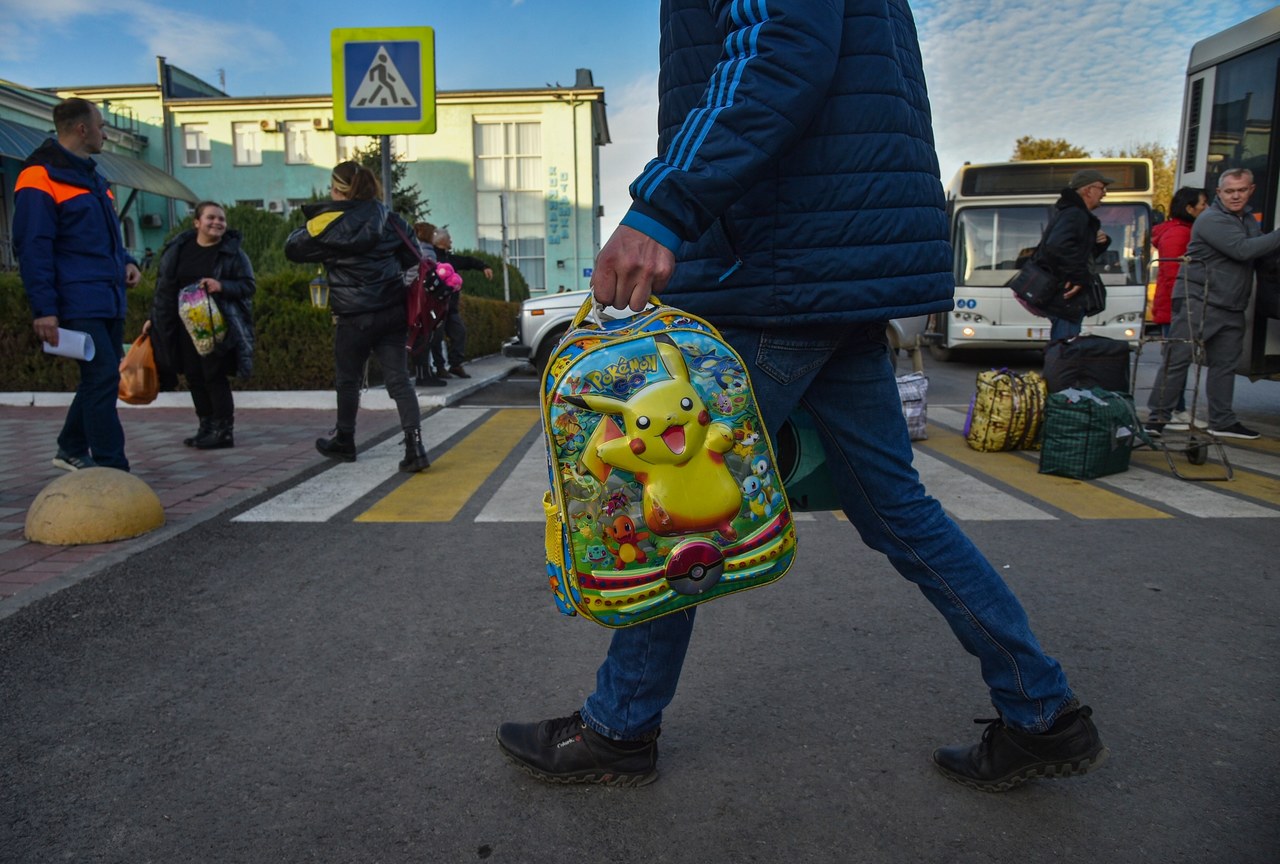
(93, 505)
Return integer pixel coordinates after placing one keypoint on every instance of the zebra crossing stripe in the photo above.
(1259, 487)
(966, 497)
(519, 498)
(437, 494)
(329, 493)
(1080, 499)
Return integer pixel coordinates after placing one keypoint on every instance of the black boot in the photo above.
(342, 446)
(220, 435)
(206, 426)
(415, 455)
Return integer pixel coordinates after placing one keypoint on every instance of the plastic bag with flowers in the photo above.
(202, 317)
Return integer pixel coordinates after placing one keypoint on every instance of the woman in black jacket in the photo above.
(208, 255)
(354, 236)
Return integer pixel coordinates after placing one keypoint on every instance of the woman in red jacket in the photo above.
(1170, 239)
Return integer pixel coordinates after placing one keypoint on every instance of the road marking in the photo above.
(519, 498)
(1151, 478)
(966, 497)
(437, 494)
(1076, 497)
(329, 493)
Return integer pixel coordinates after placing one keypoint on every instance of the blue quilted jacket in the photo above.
(797, 181)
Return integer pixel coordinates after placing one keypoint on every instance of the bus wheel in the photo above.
(938, 352)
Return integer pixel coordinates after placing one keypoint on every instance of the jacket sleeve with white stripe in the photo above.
(774, 72)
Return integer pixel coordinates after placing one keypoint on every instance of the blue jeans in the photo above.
(844, 377)
(93, 425)
(1061, 328)
(381, 334)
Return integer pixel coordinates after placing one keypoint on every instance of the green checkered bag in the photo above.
(1088, 433)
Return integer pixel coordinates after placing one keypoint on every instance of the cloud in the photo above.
(1101, 76)
(198, 43)
(633, 128)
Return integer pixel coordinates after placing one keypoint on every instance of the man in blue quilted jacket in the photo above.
(75, 270)
(796, 205)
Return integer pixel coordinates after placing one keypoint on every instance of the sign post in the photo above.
(384, 83)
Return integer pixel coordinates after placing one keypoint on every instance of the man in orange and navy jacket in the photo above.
(75, 270)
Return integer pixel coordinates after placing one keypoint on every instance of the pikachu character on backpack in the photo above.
(671, 446)
(652, 430)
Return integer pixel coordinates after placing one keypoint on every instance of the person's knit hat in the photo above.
(1083, 178)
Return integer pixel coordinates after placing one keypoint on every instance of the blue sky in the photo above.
(1102, 75)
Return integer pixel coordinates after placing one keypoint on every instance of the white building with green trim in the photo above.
(181, 140)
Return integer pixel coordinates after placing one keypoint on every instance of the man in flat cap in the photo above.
(1073, 241)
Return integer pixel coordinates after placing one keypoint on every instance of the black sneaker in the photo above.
(566, 750)
(1154, 430)
(73, 463)
(1236, 430)
(1006, 758)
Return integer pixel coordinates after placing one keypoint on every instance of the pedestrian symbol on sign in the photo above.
(383, 86)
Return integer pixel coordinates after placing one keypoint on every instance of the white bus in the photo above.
(998, 213)
(1229, 121)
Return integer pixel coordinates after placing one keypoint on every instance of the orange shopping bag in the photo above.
(139, 381)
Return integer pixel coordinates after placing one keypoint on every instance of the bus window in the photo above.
(990, 241)
(1129, 227)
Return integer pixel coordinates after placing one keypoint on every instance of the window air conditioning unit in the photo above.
(150, 220)
(322, 123)
(275, 206)
(269, 125)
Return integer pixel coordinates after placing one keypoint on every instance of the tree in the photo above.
(1027, 147)
(1162, 161)
(407, 200)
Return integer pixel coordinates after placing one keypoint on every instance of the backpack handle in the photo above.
(593, 309)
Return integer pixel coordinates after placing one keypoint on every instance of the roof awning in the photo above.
(18, 140)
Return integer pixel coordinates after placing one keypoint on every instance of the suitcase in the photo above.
(1088, 433)
(665, 490)
(1006, 412)
(1085, 362)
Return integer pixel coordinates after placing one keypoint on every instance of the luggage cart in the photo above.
(1194, 443)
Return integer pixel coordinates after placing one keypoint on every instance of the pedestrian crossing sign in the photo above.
(384, 80)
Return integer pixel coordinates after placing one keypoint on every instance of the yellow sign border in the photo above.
(426, 38)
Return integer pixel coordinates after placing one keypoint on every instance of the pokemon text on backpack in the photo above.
(664, 490)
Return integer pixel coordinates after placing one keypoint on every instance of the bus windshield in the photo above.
(991, 241)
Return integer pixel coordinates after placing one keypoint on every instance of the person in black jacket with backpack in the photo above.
(364, 256)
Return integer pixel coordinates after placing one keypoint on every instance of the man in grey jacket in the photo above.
(1225, 242)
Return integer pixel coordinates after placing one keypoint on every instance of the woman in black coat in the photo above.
(208, 255)
(355, 236)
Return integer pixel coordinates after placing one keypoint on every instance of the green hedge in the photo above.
(293, 344)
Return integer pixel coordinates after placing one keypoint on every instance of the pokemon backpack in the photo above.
(664, 485)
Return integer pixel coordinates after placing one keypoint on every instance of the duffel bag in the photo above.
(1084, 362)
(1088, 433)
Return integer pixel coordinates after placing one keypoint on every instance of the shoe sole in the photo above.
(67, 466)
(339, 457)
(1235, 435)
(1044, 770)
(595, 778)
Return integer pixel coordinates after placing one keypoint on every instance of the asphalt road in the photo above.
(276, 692)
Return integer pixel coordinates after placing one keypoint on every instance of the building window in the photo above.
(297, 142)
(195, 144)
(509, 162)
(247, 139)
(349, 144)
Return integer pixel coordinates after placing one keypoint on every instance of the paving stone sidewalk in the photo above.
(273, 444)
